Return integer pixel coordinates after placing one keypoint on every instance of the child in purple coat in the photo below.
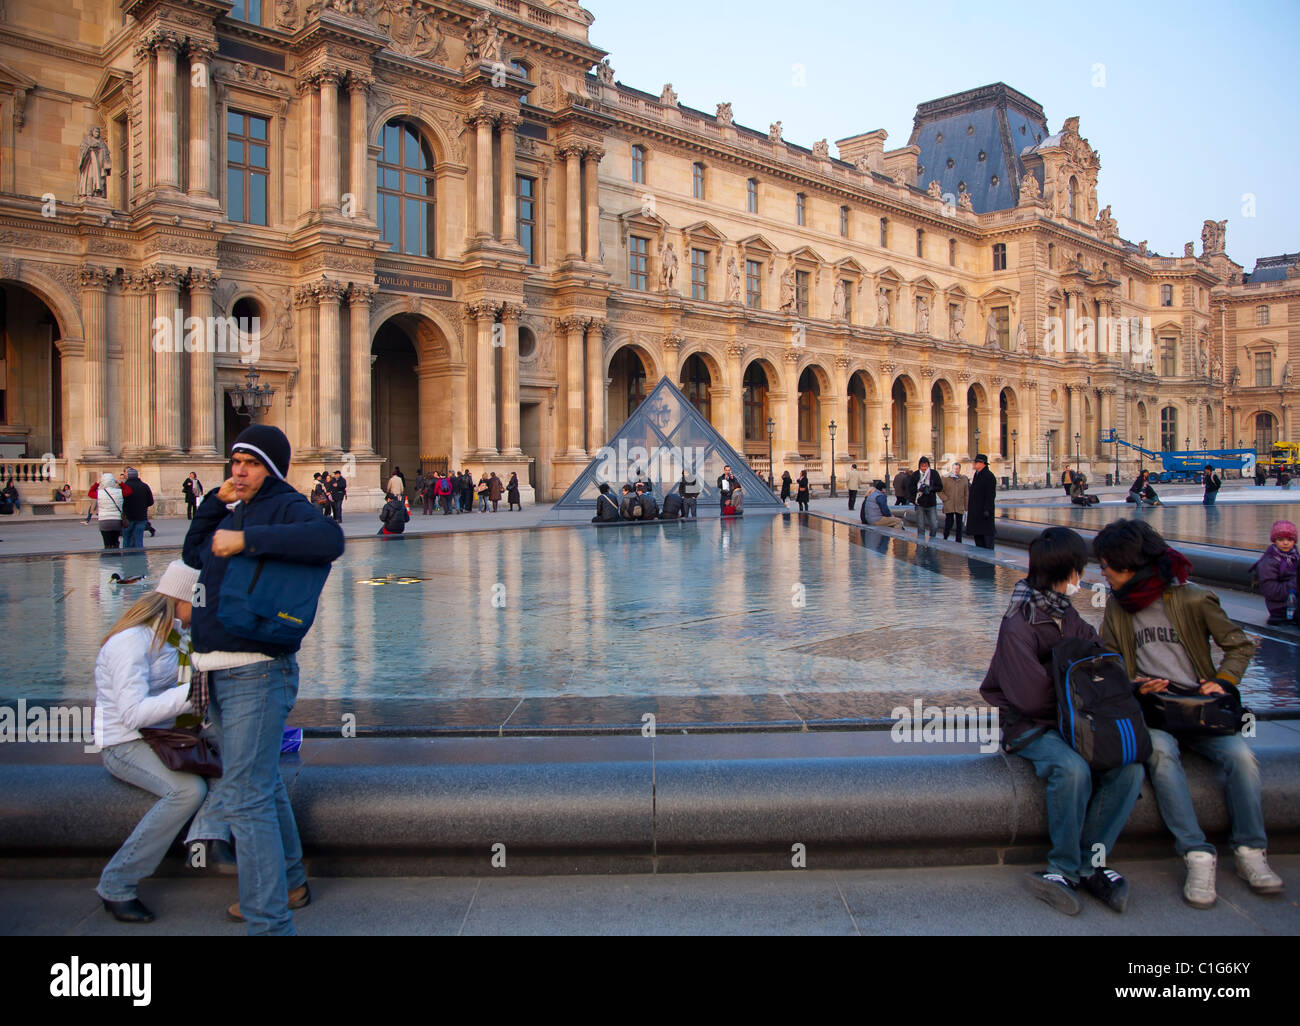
(1277, 573)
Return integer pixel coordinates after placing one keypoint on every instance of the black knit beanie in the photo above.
(268, 444)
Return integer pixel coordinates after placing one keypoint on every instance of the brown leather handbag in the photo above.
(183, 750)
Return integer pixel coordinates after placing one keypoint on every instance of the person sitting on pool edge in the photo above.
(1084, 809)
(606, 508)
(1162, 627)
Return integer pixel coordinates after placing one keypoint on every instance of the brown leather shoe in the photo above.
(299, 897)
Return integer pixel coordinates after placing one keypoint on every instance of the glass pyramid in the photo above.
(664, 437)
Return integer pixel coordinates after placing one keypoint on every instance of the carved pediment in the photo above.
(640, 219)
(755, 244)
(18, 85)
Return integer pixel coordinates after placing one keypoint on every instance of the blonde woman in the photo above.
(142, 680)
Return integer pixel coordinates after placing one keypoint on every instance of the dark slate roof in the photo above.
(994, 120)
(1271, 268)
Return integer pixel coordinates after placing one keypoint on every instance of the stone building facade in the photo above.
(464, 242)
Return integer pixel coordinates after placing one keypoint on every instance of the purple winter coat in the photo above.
(1277, 578)
(1019, 679)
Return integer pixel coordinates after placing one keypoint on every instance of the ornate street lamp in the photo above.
(251, 399)
(977, 443)
(771, 430)
(1015, 452)
(831, 428)
(1142, 457)
(1077, 460)
(885, 429)
(1189, 443)
(1047, 437)
(1115, 443)
(934, 446)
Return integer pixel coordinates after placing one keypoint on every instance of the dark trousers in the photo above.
(189, 507)
(983, 541)
(853, 497)
(948, 519)
(338, 508)
(899, 500)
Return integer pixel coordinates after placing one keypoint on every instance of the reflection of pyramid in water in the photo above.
(662, 434)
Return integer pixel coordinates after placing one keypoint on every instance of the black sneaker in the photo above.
(1054, 889)
(1108, 886)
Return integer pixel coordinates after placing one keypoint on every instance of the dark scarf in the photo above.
(1026, 599)
(1149, 583)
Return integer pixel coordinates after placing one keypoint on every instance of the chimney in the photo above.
(869, 144)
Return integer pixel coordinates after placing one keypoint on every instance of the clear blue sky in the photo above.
(1198, 106)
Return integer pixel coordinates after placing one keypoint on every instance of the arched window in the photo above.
(695, 383)
(1265, 433)
(405, 190)
(1004, 434)
(755, 404)
(809, 421)
(1168, 429)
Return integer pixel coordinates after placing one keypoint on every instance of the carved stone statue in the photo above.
(882, 307)
(415, 32)
(863, 164)
(1202, 360)
(668, 268)
(1021, 344)
(481, 40)
(935, 190)
(991, 330)
(774, 132)
(1142, 248)
(821, 150)
(964, 201)
(1092, 202)
(1214, 237)
(733, 281)
(787, 290)
(837, 302)
(724, 113)
(668, 97)
(1235, 377)
(286, 15)
(922, 316)
(1106, 224)
(958, 322)
(1189, 249)
(1286, 374)
(1029, 189)
(605, 72)
(1216, 367)
(93, 166)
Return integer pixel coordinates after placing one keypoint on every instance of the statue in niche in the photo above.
(724, 113)
(774, 132)
(958, 323)
(605, 72)
(837, 302)
(1216, 368)
(991, 330)
(882, 307)
(1022, 339)
(922, 316)
(1286, 374)
(1235, 378)
(733, 281)
(93, 166)
(1092, 202)
(668, 268)
(787, 290)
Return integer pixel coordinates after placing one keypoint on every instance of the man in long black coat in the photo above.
(983, 495)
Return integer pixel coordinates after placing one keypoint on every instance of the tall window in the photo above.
(695, 383)
(638, 262)
(638, 165)
(800, 208)
(844, 221)
(1002, 317)
(1166, 295)
(406, 190)
(1263, 369)
(1168, 357)
(123, 163)
(246, 167)
(801, 282)
(697, 181)
(1051, 258)
(884, 233)
(247, 10)
(809, 421)
(751, 195)
(920, 242)
(526, 215)
(1169, 429)
(952, 252)
(753, 284)
(1261, 315)
(699, 274)
(521, 69)
(848, 300)
(755, 400)
(1265, 433)
(999, 256)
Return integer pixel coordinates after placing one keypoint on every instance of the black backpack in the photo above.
(1098, 714)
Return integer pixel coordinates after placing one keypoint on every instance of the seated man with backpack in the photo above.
(606, 507)
(649, 508)
(393, 516)
(1087, 805)
(1162, 627)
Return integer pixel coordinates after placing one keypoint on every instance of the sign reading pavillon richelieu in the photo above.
(389, 281)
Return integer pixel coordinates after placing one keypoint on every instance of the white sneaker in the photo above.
(1198, 891)
(1254, 869)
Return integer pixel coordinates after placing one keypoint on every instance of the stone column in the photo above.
(328, 295)
(1076, 421)
(510, 314)
(573, 328)
(733, 413)
(483, 175)
(203, 396)
(309, 159)
(359, 178)
(136, 353)
(672, 356)
(791, 407)
(329, 141)
(201, 51)
(595, 385)
(484, 313)
(509, 202)
(590, 165)
(94, 302)
(572, 202)
(166, 46)
(308, 365)
(166, 279)
(360, 298)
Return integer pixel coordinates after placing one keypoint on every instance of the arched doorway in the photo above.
(809, 414)
(755, 409)
(857, 431)
(938, 425)
(976, 407)
(1004, 424)
(1265, 433)
(395, 401)
(628, 387)
(898, 438)
(31, 376)
(697, 385)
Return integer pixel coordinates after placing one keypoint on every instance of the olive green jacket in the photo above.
(1196, 615)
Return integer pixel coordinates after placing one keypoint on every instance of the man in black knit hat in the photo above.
(253, 683)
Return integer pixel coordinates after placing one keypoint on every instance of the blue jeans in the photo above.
(688, 507)
(1235, 761)
(927, 519)
(251, 704)
(206, 825)
(133, 534)
(140, 854)
(1083, 808)
(1209, 499)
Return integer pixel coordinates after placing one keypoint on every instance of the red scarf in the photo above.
(1149, 583)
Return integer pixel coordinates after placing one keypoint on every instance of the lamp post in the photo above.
(831, 428)
(1188, 440)
(1078, 462)
(1142, 457)
(771, 430)
(1115, 436)
(934, 445)
(251, 399)
(885, 429)
(1015, 451)
(1047, 438)
(977, 443)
